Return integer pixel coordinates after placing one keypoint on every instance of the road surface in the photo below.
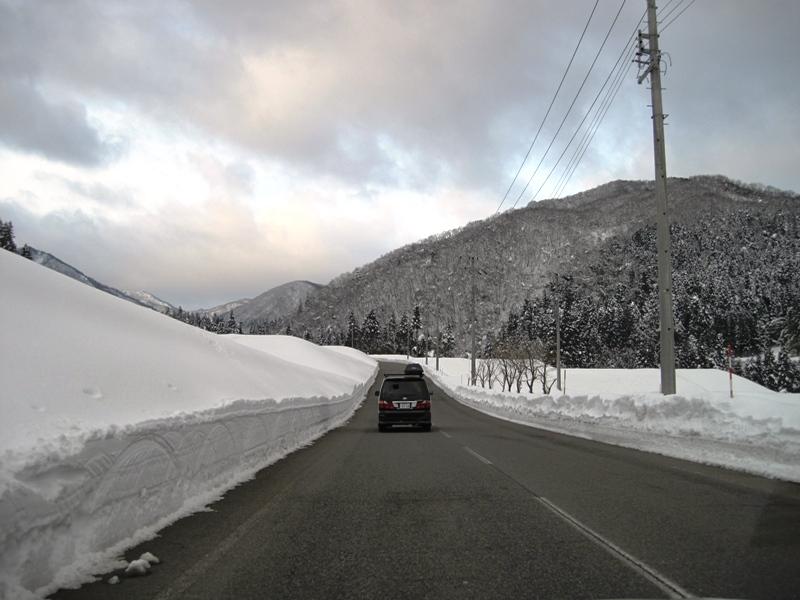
(477, 508)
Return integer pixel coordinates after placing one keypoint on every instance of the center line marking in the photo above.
(672, 589)
(485, 461)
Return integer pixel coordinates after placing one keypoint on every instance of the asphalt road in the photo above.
(477, 508)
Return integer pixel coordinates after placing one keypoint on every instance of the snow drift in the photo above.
(757, 430)
(117, 420)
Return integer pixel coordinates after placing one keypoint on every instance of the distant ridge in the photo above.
(56, 264)
(273, 305)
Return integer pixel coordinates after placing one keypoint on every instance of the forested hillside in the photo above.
(736, 256)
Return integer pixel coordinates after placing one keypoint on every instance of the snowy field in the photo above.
(757, 430)
(117, 421)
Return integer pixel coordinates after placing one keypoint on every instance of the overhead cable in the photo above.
(572, 104)
(675, 18)
(558, 89)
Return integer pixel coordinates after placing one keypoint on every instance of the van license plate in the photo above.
(404, 405)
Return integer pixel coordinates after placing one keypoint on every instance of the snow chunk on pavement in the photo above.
(114, 580)
(151, 558)
(137, 567)
(118, 420)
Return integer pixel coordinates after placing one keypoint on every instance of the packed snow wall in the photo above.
(118, 420)
(757, 431)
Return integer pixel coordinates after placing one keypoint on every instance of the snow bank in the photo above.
(757, 431)
(117, 420)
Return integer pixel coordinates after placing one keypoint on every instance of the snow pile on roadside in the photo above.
(757, 431)
(117, 420)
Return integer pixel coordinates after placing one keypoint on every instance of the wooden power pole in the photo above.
(652, 66)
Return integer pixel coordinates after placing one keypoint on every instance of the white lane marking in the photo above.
(445, 434)
(672, 589)
(485, 461)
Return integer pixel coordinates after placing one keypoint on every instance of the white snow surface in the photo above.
(756, 431)
(118, 420)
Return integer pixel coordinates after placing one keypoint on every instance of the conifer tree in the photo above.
(371, 332)
(403, 335)
(7, 236)
(416, 321)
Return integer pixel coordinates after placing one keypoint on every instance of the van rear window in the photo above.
(397, 390)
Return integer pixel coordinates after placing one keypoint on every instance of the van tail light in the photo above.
(385, 405)
(423, 404)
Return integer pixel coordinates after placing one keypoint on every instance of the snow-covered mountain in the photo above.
(150, 300)
(223, 308)
(273, 305)
(517, 253)
(56, 264)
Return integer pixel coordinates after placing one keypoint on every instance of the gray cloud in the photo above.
(412, 93)
(58, 130)
(98, 193)
(32, 120)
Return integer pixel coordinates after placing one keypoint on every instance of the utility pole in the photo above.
(473, 326)
(437, 333)
(653, 69)
(557, 306)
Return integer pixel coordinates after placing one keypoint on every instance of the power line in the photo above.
(611, 92)
(675, 18)
(666, 6)
(588, 134)
(665, 14)
(618, 63)
(538, 131)
(605, 104)
(592, 132)
(577, 154)
(571, 170)
(591, 67)
(580, 124)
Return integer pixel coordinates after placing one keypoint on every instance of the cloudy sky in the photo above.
(206, 150)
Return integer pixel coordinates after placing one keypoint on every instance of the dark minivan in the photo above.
(404, 400)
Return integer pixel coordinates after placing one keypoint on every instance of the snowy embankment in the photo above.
(117, 420)
(757, 430)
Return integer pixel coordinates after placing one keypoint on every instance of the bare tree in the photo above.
(491, 371)
(481, 372)
(533, 351)
(546, 387)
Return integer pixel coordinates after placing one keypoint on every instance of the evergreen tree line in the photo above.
(7, 241)
(215, 323)
(405, 334)
(734, 282)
